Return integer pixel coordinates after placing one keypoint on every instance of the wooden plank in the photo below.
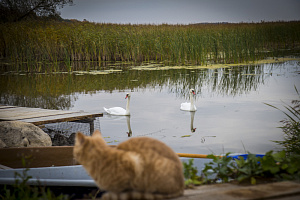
(39, 116)
(4, 167)
(5, 107)
(23, 113)
(19, 113)
(37, 156)
(61, 118)
(66, 116)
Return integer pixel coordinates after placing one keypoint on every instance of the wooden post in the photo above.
(92, 127)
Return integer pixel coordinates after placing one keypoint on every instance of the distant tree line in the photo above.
(18, 10)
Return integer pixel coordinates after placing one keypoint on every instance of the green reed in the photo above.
(41, 42)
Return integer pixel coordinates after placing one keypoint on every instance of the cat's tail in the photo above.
(138, 195)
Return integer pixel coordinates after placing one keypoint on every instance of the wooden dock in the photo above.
(39, 116)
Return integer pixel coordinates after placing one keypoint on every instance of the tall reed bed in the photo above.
(199, 44)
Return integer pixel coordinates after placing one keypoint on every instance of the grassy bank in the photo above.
(38, 43)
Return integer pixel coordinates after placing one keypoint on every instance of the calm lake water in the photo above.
(231, 115)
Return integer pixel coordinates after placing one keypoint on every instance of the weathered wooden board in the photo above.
(3, 107)
(37, 156)
(40, 116)
(18, 113)
(61, 118)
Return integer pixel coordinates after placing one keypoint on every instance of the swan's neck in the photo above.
(127, 105)
(192, 101)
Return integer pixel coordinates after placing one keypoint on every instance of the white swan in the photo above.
(189, 106)
(119, 110)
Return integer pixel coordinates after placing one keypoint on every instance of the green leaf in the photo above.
(211, 156)
(284, 166)
(253, 181)
(280, 156)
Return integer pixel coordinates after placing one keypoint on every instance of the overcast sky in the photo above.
(182, 11)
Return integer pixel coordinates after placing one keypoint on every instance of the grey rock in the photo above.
(22, 134)
(2, 144)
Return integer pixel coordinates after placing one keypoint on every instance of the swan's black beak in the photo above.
(126, 96)
(194, 92)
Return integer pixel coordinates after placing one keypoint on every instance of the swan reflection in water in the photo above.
(129, 133)
(192, 122)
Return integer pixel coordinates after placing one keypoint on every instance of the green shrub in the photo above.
(190, 174)
(291, 127)
(22, 190)
(271, 167)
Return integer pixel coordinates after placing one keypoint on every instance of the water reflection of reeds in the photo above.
(59, 91)
(223, 81)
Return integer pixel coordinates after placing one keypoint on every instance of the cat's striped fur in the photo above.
(139, 168)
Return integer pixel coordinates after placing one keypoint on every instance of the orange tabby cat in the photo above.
(139, 168)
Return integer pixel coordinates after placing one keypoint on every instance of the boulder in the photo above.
(22, 134)
(2, 144)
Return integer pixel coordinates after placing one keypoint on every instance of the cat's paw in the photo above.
(109, 196)
(125, 196)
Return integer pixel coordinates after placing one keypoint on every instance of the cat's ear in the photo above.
(80, 138)
(97, 133)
